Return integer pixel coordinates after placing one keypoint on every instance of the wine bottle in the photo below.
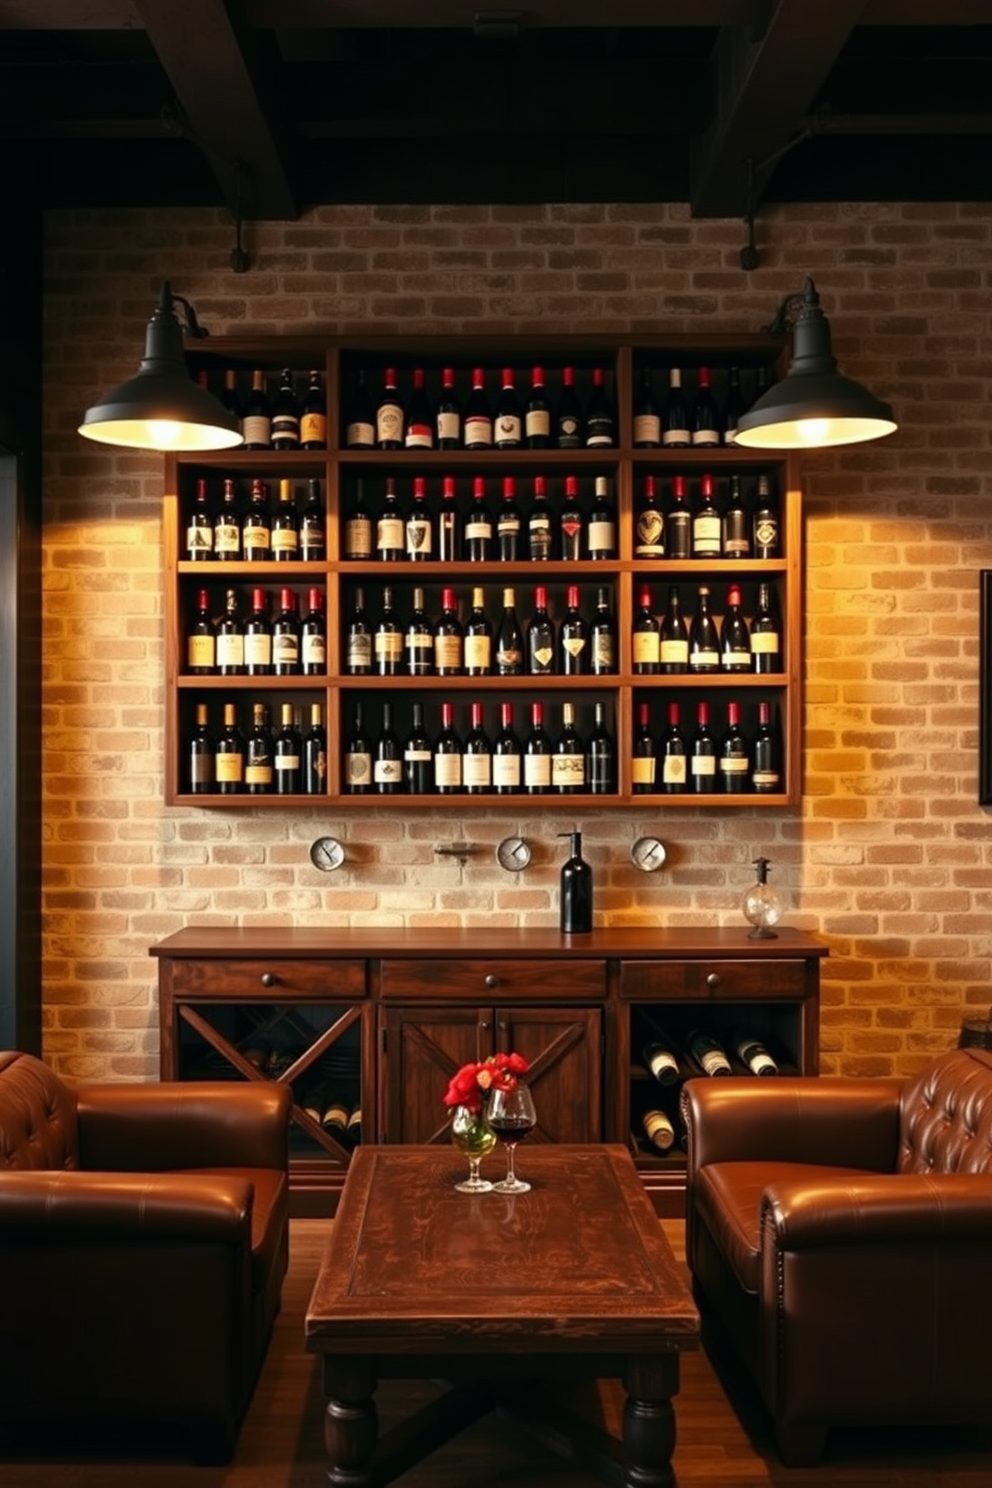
(537, 413)
(508, 425)
(258, 753)
(733, 761)
(360, 421)
(256, 426)
(448, 415)
(735, 541)
(662, 1059)
(285, 430)
(358, 757)
(389, 418)
(705, 426)
(706, 526)
(358, 528)
(230, 645)
(358, 640)
(313, 636)
(387, 763)
(766, 771)
(353, 1131)
(229, 755)
(573, 637)
(752, 1052)
(539, 524)
(600, 423)
(258, 638)
(201, 754)
(675, 414)
(418, 640)
(447, 755)
(227, 532)
(418, 431)
(678, 522)
(602, 534)
(387, 640)
(645, 640)
(673, 754)
(256, 529)
(735, 638)
(600, 755)
(568, 763)
(448, 527)
(509, 640)
(507, 757)
(478, 423)
(288, 760)
(658, 1129)
(477, 756)
(766, 634)
(733, 406)
(285, 526)
(201, 643)
(644, 758)
(673, 637)
(229, 398)
(602, 637)
(390, 528)
(286, 637)
(508, 523)
(418, 756)
(313, 415)
(572, 522)
(568, 417)
(448, 638)
(479, 525)
(313, 526)
(647, 415)
(708, 1053)
(315, 753)
(478, 645)
(540, 637)
(200, 527)
(419, 529)
(575, 903)
(335, 1117)
(538, 751)
(702, 759)
(704, 638)
(765, 530)
(649, 523)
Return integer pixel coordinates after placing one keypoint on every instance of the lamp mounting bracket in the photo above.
(173, 123)
(750, 258)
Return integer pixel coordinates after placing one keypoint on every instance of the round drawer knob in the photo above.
(492, 980)
(713, 980)
(269, 979)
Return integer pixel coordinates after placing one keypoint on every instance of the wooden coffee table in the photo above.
(498, 1293)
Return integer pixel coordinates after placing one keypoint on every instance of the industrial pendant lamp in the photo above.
(161, 408)
(813, 407)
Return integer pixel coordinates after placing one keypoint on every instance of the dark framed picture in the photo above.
(985, 689)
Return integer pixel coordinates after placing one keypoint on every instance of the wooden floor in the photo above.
(723, 1439)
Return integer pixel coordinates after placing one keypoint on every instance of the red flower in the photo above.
(470, 1085)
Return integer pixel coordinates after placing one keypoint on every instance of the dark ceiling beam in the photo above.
(219, 79)
(764, 87)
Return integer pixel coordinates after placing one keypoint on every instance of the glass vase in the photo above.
(472, 1134)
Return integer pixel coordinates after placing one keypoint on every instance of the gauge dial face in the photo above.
(513, 853)
(326, 853)
(648, 854)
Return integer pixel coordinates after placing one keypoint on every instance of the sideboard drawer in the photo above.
(758, 980)
(537, 981)
(283, 980)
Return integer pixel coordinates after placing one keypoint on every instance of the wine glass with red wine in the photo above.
(511, 1116)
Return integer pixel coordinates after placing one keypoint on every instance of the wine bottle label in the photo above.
(704, 764)
(447, 652)
(568, 770)
(508, 660)
(285, 542)
(765, 780)
(537, 771)
(229, 766)
(314, 651)
(713, 1061)
(200, 769)
(506, 770)
(602, 652)
(647, 428)
(389, 423)
(313, 428)
(358, 537)
(542, 657)
(227, 539)
(388, 771)
(285, 649)
(673, 769)
(569, 432)
(602, 537)
(706, 535)
(764, 642)
(258, 542)
(537, 424)
(508, 526)
(285, 430)
(256, 428)
(415, 755)
(357, 769)
(419, 651)
(359, 435)
(389, 534)
(419, 436)
(647, 649)
(202, 651)
(509, 429)
(449, 426)
(599, 433)
(388, 647)
(659, 1130)
(705, 438)
(733, 764)
(649, 534)
(571, 528)
(642, 769)
(663, 1065)
(199, 541)
(230, 651)
(702, 660)
(478, 431)
(477, 770)
(447, 769)
(674, 653)
(737, 661)
(258, 772)
(574, 645)
(478, 529)
(766, 531)
(540, 537)
(418, 537)
(359, 652)
(678, 434)
(478, 653)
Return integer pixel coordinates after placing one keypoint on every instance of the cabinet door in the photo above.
(563, 1047)
(420, 1049)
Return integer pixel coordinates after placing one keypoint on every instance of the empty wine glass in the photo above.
(511, 1115)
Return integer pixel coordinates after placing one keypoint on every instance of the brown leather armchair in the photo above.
(840, 1232)
(143, 1244)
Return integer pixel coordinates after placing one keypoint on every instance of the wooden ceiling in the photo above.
(273, 106)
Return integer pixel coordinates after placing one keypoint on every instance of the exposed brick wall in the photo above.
(888, 858)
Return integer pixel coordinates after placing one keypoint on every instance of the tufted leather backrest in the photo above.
(37, 1115)
(946, 1116)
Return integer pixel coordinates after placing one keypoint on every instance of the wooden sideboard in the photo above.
(369, 1024)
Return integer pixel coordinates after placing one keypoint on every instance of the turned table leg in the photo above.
(649, 1421)
(351, 1422)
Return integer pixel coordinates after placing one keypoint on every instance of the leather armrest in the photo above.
(899, 1208)
(46, 1205)
(199, 1124)
(835, 1122)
